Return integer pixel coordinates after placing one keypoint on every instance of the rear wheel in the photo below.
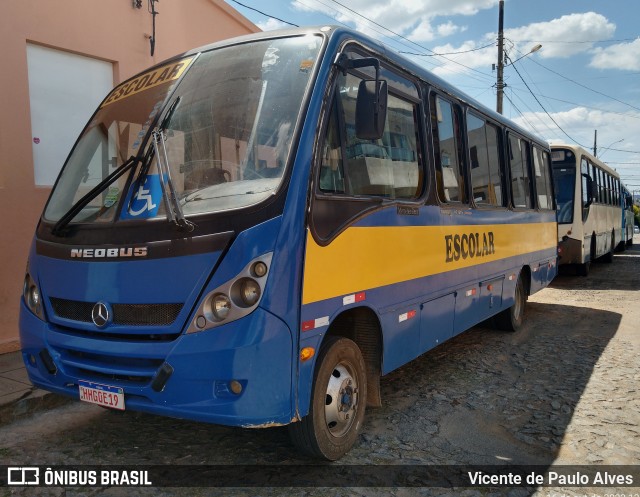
(338, 401)
(583, 269)
(608, 257)
(511, 319)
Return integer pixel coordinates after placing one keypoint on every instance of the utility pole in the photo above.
(595, 143)
(500, 81)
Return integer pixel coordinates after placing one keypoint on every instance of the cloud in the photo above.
(414, 19)
(468, 54)
(563, 37)
(580, 123)
(449, 29)
(623, 56)
(271, 24)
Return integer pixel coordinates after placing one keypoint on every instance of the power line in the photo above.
(333, 18)
(449, 53)
(576, 42)
(584, 86)
(407, 39)
(382, 34)
(582, 105)
(545, 110)
(264, 14)
(531, 125)
(443, 55)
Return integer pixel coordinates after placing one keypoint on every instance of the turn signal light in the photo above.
(307, 353)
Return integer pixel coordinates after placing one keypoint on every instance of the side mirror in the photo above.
(371, 109)
(371, 105)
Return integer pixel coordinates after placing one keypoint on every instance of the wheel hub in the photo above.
(341, 400)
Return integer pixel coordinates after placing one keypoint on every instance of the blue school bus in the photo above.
(256, 231)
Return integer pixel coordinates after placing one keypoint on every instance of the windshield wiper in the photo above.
(95, 191)
(174, 211)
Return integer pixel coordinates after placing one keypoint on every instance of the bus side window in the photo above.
(600, 185)
(519, 164)
(593, 172)
(387, 167)
(446, 140)
(586, 193)
(484, 153)
(543, 180)
(610, 190)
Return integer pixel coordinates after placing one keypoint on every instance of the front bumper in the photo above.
(255, 351)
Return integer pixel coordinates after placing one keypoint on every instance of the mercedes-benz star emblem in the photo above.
(100, 314)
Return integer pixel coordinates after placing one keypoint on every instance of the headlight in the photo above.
(34, 297)
(259, 269)
(31, 296)
(220, 306)
(234, 298)
(250, 292)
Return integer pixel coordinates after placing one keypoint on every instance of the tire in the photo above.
(511, 319)
(608, 257)
(583, 269)
(338, 401)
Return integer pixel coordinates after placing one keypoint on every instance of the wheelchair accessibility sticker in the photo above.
(146, 200)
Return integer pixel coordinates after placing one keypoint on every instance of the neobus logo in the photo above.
(469, 245)
(103, 253)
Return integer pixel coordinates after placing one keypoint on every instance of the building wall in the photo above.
(113, 31)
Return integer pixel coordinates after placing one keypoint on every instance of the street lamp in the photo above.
(502, 58)
(534, 49)
(610, 145)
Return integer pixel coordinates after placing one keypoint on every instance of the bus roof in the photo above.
(579, 151)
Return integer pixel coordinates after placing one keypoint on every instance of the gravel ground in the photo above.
(563, 390)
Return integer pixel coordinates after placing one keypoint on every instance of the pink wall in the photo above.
(112, 31)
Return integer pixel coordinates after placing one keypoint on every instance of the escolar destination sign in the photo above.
(149, 79)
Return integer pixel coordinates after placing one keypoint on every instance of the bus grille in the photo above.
(98, 367)
(123, 314)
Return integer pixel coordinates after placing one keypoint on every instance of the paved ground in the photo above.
(563, 390)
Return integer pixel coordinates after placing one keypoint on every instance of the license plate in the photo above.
(102, 395)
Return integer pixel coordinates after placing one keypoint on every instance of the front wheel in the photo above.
(338, 401)
(511, 319)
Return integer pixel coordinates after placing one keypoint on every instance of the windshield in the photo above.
(564, 177)
(224, 146)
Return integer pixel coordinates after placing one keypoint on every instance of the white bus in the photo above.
(589, 200)
(627, 219)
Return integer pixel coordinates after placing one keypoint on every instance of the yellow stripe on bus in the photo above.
(362, 258)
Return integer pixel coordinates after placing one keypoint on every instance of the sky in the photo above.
(585, 77)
